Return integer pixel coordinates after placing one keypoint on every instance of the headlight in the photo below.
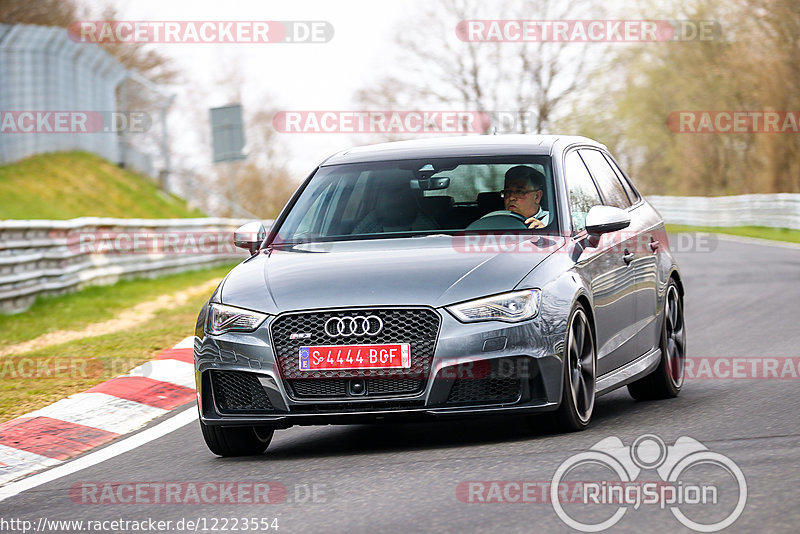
(509, 307)
(222, 318)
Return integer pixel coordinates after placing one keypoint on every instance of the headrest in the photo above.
(490, 201)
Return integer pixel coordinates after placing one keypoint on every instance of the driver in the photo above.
(523, 190)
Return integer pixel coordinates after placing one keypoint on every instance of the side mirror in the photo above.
(250, 236)
(604, 219)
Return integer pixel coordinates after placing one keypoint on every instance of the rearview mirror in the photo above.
(604, 219)
(250, 236)
(431, 184)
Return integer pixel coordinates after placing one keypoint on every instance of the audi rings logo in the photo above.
(359, 325)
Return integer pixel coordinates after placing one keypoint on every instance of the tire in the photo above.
(666, 381)
(236, 440)
(580, 374)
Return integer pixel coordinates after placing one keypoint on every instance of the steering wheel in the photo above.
(500, 213)
(499, 220)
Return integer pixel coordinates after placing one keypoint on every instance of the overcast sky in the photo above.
(292, 76)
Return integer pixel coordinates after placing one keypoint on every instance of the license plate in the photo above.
(333, 357)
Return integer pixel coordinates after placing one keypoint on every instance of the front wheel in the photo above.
(236, 440)
(578, 395)
(667, 379)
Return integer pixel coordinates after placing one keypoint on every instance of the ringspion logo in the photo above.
(704, 490)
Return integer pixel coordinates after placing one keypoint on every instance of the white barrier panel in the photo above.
(779, 210)
(52, 257)
(41, 257)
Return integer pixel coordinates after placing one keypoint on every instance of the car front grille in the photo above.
(495, 390)
(318, 387)
(338, 387)
(239, 392)
(488, 381)
(357, 408)
(418, 327)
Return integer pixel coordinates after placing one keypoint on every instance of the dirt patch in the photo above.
(125, 319)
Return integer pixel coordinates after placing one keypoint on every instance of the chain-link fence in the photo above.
(57, 94)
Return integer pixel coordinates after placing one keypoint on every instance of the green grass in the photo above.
(107, 356)
(96, 303)
(761, 232)
(65, 185)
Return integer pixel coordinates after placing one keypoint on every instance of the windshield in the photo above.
(421, 197)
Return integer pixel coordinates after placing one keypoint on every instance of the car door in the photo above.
(634, 245)
(652, 240)
(610, 277)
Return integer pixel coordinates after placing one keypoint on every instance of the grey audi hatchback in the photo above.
(461, 276)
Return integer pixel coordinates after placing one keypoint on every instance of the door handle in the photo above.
(627, 257)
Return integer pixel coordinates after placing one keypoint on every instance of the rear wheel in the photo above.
(236, 440)
(578, 395)
(667, 379)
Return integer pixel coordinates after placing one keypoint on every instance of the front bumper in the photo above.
(476, 369)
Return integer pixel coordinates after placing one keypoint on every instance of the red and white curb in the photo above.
(83, 421)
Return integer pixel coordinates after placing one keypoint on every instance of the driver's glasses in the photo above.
(517, 193)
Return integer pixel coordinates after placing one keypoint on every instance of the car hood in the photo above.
(432, 270)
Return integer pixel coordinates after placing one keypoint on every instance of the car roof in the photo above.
(465, 145)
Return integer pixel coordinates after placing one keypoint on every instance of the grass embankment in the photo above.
(34, 379)
(66, 185)
(759, 232)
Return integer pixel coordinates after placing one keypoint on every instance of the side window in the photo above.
(632, 193)
(607, 180)
(583, 193)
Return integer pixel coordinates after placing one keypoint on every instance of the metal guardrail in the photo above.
(779, 210)
(52, 257)
(40, 257)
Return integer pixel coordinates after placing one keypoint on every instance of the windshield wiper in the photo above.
(431, 235)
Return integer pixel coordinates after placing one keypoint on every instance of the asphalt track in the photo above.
(743, 300)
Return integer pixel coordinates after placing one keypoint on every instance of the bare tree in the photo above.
(43, 12)
(749, 65)
(263, 183)
(527, 81)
